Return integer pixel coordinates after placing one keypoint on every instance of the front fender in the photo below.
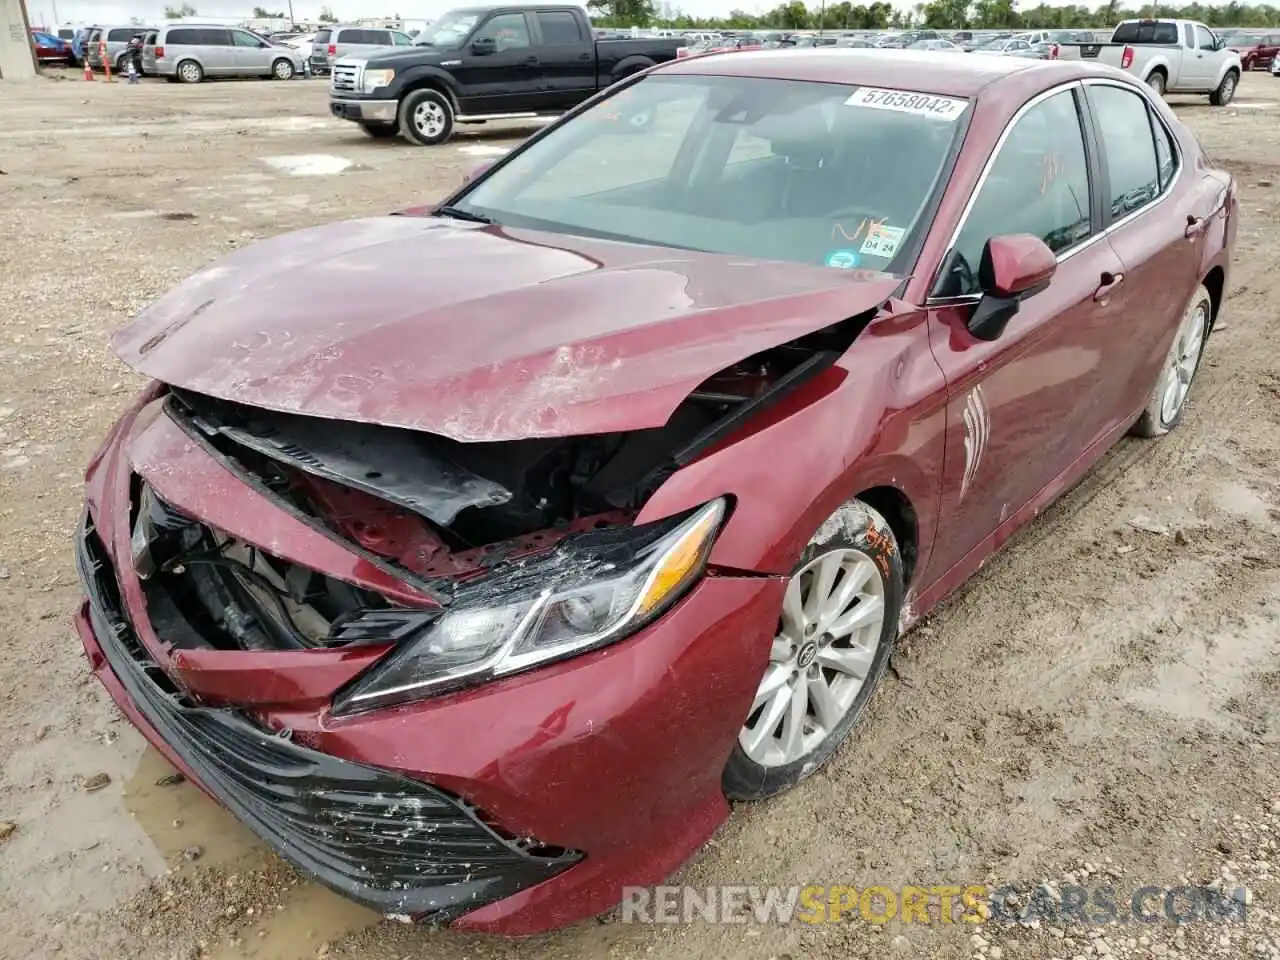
(426, 75)
(877, 418)
(1234, 63)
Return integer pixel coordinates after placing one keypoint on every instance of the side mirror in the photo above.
(476, 171)
(1014, 267)
(484, 46)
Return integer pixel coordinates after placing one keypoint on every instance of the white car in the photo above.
(302, 44)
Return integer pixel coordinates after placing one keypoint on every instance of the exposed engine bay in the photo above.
(441, 512)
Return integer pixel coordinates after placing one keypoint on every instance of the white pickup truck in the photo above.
(1174, 56)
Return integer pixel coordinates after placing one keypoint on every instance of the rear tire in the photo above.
(811, 696)
(1168, 397)
(426, 117)
(1156, 82)
(190, 72)
(380, 131)
(1226, 90)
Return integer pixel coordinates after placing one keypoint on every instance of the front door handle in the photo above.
(1110, 282)
(532, 61)
(584, 57)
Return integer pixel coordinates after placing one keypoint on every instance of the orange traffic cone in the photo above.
(88, 71)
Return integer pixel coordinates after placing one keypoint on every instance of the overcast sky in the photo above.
(42, 11)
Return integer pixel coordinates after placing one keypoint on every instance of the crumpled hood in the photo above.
(477, 333)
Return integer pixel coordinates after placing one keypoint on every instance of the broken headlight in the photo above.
(590, 591)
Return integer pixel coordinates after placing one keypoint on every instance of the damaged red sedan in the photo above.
(476, 556)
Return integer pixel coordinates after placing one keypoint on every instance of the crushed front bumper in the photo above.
(396, 845)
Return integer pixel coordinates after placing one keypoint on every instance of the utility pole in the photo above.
(292, 22)
(822, 17)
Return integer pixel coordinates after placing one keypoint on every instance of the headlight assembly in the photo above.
(373, 79)
(591, 591)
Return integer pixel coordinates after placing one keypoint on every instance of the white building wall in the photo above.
(15, 43)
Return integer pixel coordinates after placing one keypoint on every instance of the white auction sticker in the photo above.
(882, 241)
(903, 101)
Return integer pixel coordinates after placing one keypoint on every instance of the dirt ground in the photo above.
(1101, 702)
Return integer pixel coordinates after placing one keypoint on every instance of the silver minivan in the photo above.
(117, 44)
(190, 53)
(343, 39)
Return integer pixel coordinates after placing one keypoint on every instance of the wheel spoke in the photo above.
(856, 576)
(793, 618)
(851, 661)
(869, 611)
(781, 650)
(1169, 405)
(762, 732)
(793, 722)
(775, 678)
(824, 578)
(825, 705)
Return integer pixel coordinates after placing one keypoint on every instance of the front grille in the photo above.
(346, 77)
(396, 845)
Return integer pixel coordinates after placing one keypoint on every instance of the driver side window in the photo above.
(1038, 184)
(507, 30)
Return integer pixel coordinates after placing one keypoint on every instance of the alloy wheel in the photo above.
(1184, 360)
(832, 620)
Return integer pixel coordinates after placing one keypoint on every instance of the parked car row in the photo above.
(181, 51)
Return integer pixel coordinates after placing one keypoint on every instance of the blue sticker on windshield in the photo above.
(843, 259)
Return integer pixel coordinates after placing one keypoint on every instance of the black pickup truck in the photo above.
(485, 63)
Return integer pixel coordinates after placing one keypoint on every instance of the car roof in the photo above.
(895, 69)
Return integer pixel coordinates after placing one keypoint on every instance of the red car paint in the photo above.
(585, 753)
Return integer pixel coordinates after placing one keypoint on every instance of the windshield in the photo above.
(784, 170)
(450, 30)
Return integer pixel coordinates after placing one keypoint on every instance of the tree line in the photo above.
(936, 14)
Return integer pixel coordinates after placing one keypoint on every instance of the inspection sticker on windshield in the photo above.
(902, 101)
(882, 241)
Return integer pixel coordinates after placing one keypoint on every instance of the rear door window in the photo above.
(215, 37)
(559, 28)
(119, 34)
(1133, 167)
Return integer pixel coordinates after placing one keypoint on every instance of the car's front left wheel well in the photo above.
(892, 504)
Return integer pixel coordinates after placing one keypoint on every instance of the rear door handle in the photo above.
(1197, 225)
(584, 57)
(1110, 282)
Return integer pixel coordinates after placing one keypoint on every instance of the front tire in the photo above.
(426, 117)
(1226, 90)
(1168, 397)
(836, 630)
(190, 72)
(282, 69)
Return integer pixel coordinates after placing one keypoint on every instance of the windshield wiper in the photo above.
(457, 213)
